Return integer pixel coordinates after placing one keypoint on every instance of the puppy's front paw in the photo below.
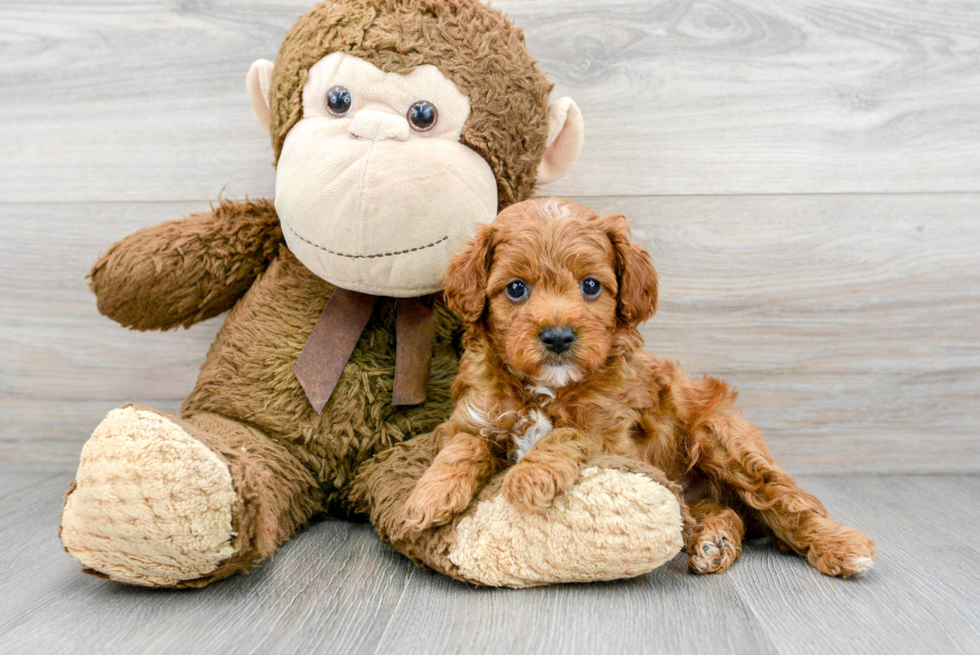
(434, 503)
(533, 488)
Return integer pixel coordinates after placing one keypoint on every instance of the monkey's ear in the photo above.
(258, 83)
(565, 135)
(465, 278)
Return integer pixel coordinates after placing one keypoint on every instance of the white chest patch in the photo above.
(539, 426)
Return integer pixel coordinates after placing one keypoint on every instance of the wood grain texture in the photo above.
(331, 589)
(667, 611)
(849, 323)
(336, 589)
(843, 300)
(923, 594)
(105, 100)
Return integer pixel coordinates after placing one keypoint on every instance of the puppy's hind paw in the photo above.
(846, 553)
(858, 565)
(713, 553)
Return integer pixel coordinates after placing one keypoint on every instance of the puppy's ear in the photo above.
(465, 278)
(635, 273)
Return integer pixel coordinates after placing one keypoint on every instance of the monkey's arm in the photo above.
(185, 271)
(621, 518)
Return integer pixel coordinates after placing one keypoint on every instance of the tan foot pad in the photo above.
(611, 524)
(152, 505)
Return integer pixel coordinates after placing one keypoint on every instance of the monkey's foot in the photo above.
(150, 505)
(610, 524)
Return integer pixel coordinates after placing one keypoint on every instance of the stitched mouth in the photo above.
(372, 256)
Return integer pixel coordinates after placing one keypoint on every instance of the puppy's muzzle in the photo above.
(557, 339)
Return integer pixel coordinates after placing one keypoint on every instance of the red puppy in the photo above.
(551, 295)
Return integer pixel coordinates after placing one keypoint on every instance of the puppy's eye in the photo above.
(591, 287)
(516, 290)
(422, 116)
(338, 100)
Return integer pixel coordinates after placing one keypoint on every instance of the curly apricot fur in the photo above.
(607, 394)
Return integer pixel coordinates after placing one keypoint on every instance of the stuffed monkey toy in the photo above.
(398, 126)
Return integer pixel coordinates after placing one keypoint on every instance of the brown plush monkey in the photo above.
(397, 126)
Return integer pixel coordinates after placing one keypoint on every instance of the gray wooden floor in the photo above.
(336, 589)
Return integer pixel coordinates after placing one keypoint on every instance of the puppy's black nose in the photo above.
(558, 339)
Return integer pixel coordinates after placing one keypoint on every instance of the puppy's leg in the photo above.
(716, 541)
(548, 469)
(460, 469)
(730, 450)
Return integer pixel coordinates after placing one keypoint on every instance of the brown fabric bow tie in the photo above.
(337, 331)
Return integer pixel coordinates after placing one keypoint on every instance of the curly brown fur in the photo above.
(605, 394)
(473, 45)
(234, 258)
(249, 376)
(463, 466)
(276, 494)
(185, 271)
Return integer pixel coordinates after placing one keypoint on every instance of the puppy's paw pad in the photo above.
(712, 553)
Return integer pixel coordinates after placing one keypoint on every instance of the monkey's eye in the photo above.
(422, 116)
(591, 288)
(338, 100)
(516, 290)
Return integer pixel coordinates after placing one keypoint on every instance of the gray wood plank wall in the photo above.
(806, 174)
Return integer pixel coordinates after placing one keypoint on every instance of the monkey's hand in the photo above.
(185, 271)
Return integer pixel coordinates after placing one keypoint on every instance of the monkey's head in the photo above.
(400, 125)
